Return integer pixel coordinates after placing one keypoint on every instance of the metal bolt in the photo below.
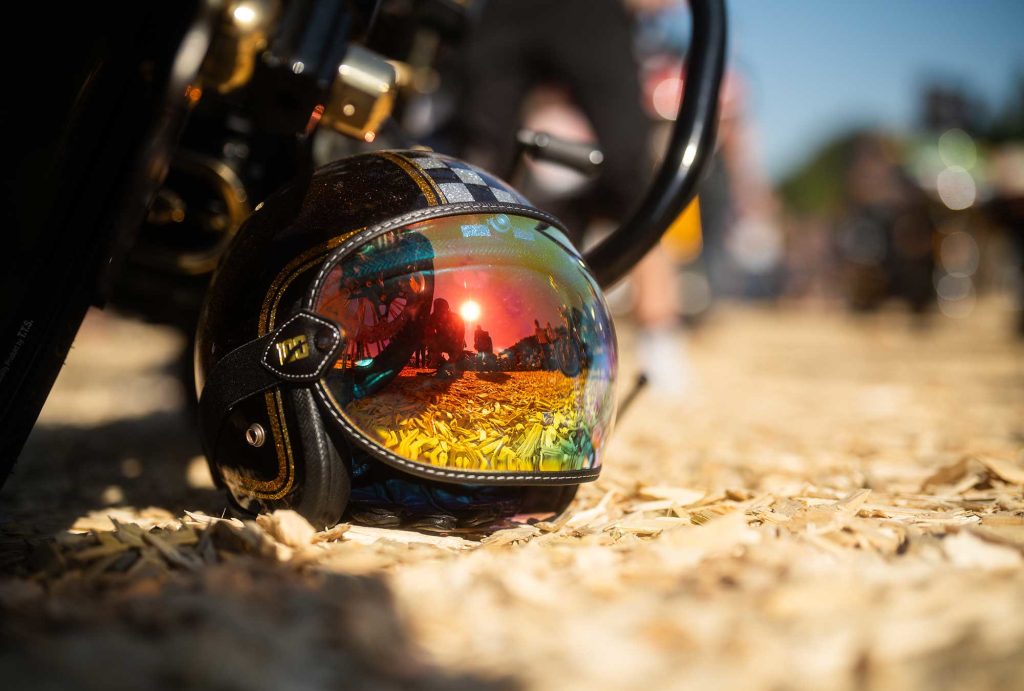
(324, 339)
(255, 435)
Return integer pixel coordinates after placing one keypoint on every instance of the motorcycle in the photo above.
(140, 136)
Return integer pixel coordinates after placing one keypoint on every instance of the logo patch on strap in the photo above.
(292, 349)
(302, 348)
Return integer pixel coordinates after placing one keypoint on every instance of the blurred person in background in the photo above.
(743, 243)
(1007, 209)
(582, 45)
(1004, 206)
(737, 250)
(582, 49)
(884, 236)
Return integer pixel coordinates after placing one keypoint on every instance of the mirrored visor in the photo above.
(472, 343)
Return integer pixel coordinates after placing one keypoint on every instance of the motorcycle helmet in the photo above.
(408, 339)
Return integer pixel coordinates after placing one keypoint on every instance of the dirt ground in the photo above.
(837, 505)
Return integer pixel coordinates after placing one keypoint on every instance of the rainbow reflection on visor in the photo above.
(477, 343)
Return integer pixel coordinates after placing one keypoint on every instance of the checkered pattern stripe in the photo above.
(459, 182)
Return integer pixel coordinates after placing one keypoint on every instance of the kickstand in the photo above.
(638, 386)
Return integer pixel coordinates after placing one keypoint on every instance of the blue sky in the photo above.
(817, 67)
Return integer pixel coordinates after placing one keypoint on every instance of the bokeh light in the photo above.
(956, 296)
(956, 188)
(956, 148)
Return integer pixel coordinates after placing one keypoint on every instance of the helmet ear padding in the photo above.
(327, 486)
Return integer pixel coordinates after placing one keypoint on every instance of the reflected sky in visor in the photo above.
(473, 342)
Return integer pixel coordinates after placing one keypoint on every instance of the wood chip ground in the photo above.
(837, 505)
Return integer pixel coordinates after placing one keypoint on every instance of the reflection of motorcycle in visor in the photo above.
(474, 343)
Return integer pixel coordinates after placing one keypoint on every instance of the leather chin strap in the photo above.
(297, 353)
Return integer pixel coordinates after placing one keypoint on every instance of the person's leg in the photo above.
(590, 46)
(654, 287)
(496, 70)
(661, 343)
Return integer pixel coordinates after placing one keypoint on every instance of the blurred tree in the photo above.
(1008, 125)
(816, 188)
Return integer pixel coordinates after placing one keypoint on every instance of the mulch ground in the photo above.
(837, 505)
